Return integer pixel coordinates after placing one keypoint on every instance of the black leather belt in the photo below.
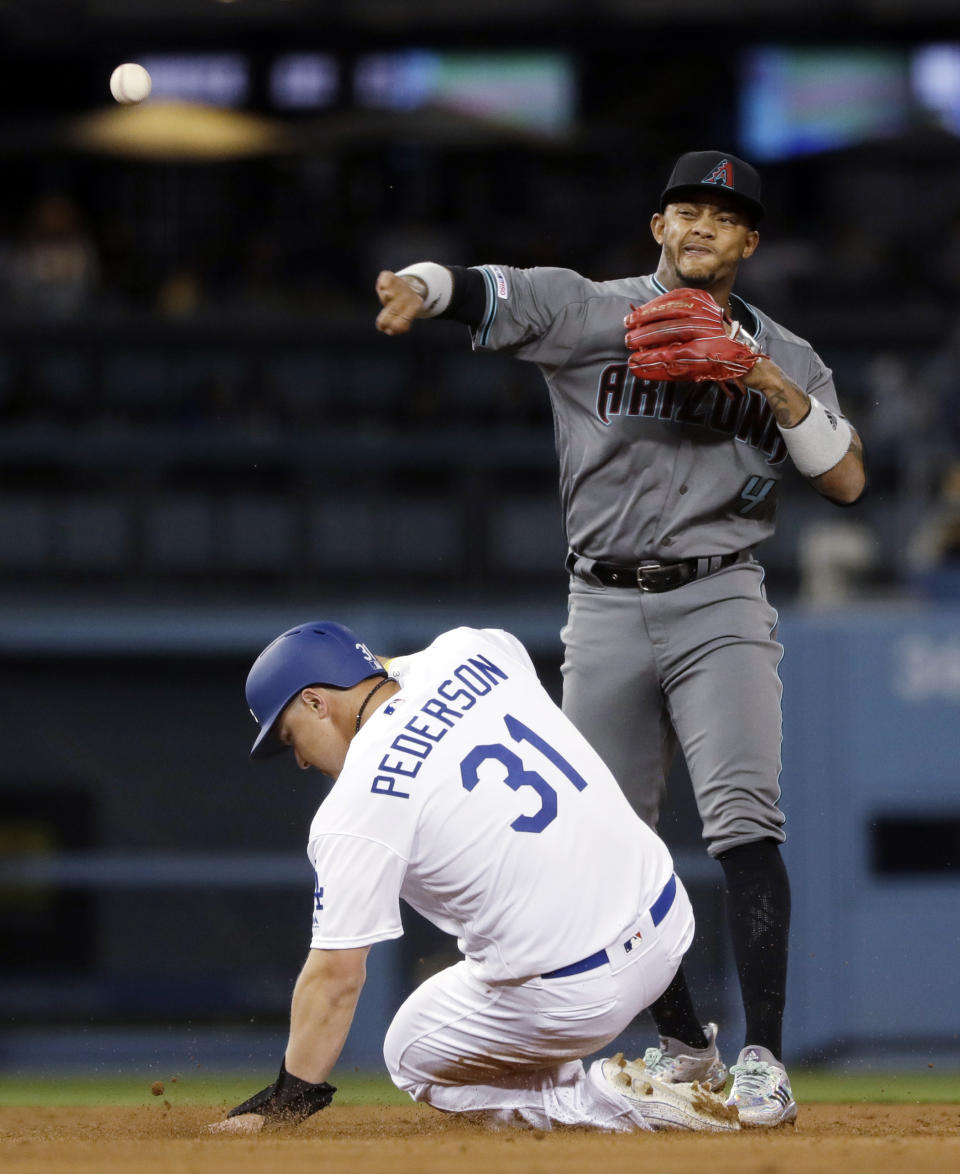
(654, 576)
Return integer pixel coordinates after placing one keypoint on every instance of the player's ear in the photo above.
(657, 227)
(315, 700)
(750, 244)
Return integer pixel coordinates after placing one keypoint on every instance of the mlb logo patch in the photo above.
(500, 281)
(632, 941)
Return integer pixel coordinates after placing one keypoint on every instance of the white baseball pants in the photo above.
(512, 1050)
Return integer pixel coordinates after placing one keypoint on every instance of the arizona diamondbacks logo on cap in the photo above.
(721, 175)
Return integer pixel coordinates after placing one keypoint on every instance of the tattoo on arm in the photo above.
(780, 406)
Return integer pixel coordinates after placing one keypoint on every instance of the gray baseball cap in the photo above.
(715, 171)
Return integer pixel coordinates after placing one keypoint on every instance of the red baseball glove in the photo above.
(683, 336)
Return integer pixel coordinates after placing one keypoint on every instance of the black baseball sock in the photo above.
(758, 914)
(674, 1015)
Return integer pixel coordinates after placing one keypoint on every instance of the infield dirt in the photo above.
(167, 1139)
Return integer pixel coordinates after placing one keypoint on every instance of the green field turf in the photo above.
(862, 1086)
(183, 1089)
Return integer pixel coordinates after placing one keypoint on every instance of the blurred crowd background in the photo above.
(186, 346)
(203, 438)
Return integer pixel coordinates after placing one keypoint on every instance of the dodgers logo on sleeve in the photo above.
(317, 898)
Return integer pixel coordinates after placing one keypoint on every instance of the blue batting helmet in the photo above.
(317, 653)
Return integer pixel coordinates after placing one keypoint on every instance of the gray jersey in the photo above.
(647, 470)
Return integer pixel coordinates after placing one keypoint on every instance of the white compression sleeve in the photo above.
(433, 282)
(819, 441)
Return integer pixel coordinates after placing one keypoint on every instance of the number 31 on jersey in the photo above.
(518, 776)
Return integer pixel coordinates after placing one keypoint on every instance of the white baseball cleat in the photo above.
(761, 1091)
(665, 1106)
(674, 1062)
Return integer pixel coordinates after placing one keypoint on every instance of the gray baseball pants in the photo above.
(696, 666)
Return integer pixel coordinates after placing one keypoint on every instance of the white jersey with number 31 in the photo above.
(471, 796)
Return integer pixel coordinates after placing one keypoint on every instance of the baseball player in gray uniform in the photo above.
(672, 440)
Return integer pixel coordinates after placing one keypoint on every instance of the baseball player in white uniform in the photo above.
(672, 440)
(461, 788)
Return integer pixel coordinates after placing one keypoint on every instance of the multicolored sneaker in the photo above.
(655, 1105)
(677, 1063)
(761, 1091)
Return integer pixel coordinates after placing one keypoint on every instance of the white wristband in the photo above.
(819, 441)
(434, 283)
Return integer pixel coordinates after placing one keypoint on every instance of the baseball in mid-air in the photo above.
(130, 83)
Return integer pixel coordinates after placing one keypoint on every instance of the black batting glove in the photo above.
(288, 1101)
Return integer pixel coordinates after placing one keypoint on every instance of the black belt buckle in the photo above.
(664, 577)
